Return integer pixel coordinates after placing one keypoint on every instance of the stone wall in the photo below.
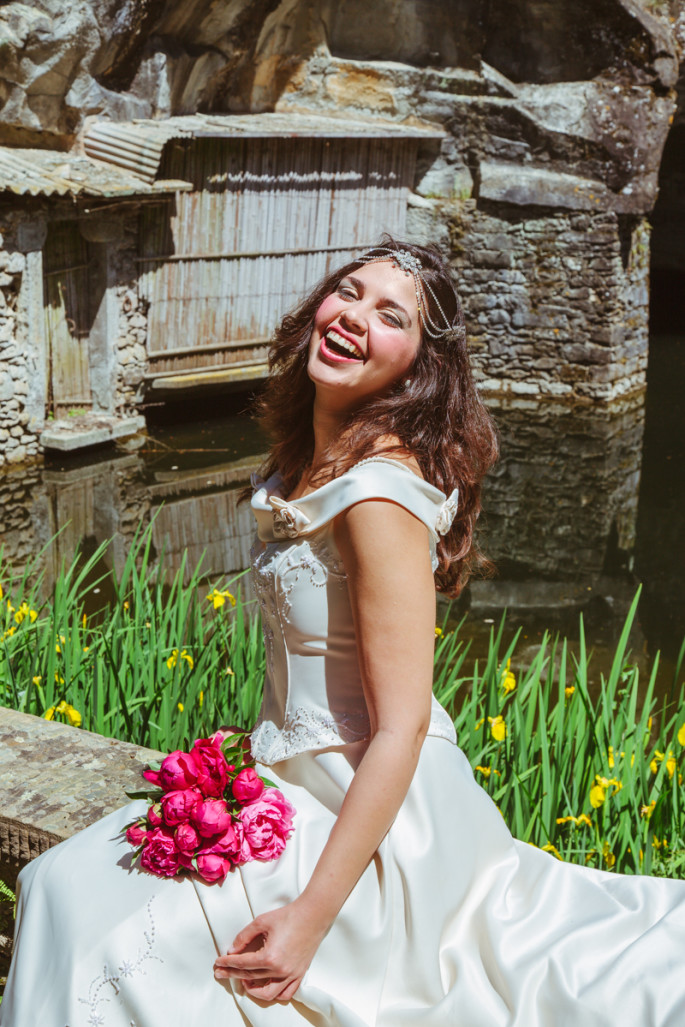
(117, 353)
(556, 302)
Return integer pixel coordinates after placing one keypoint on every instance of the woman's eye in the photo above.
(392, 319)
(346, 291)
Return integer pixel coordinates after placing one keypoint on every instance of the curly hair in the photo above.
(438, 417)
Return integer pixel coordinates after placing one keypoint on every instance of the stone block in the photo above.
(55, 780)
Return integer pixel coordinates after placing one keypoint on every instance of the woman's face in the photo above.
(366, 334)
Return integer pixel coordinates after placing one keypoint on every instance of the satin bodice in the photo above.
(313, 695)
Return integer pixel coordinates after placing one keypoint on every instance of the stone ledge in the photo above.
(56, 780)
(89, 430)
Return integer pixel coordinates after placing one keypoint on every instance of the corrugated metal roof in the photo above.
(55, 173)
(138, 145)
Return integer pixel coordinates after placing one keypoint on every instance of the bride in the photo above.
(401, 899)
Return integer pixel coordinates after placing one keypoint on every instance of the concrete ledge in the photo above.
(54, 781)
(89, 430)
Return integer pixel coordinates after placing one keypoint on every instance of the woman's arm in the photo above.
(385, 553)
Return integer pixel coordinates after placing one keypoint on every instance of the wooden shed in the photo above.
(273, 202)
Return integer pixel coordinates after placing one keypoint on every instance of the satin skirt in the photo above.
(453, 924)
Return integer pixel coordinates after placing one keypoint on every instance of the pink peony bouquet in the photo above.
(209, 811)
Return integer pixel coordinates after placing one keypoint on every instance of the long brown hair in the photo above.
(438, 418)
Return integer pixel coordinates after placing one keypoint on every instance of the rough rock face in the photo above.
(536, 86)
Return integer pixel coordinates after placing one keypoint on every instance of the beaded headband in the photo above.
(411, 265)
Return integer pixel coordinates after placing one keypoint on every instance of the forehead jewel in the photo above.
(450, 331)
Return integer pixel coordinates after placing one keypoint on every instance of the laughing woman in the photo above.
(401, 899)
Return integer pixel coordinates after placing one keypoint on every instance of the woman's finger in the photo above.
(289, 992)
(268, 990)
(242, 961)
(253, 935)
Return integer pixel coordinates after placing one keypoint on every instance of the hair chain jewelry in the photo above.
(411, 265)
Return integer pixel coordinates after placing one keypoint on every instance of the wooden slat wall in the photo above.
(66, 297)
(257, 196)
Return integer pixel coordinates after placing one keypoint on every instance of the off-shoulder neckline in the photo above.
(367, 460)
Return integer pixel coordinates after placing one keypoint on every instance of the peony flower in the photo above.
(136, 834)
(186, 837)
(211, 817)
(160, 856)
(229, 843)
(247, 785)
(154, 815)
(178, 806)
(178, 770)
(267, 823)
(212, 868)
(211, 767)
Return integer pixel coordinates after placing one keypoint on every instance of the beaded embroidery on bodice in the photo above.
(313, 695)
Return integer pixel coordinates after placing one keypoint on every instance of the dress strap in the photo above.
(373, 478)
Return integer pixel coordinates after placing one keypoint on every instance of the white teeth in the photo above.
(344, 343)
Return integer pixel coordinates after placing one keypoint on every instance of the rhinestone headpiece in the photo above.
(411, 265)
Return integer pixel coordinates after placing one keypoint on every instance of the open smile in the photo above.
(338, 347)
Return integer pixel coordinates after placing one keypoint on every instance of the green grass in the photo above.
(560, 744)
(161, 665)
(158, 665)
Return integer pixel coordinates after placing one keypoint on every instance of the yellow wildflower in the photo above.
(508, 679)
(487, 771)
(646, 811)
(663, 844)
(66, 710)
(498, 728)
(598, 792)
(1, 592)
(182, 655)
(551, 848)
(58, 680)
(569, 690)
(10, 632)
(611, 760)
(576, 821)
(438, 631)
(126, 604)
(84, 620)
(229, 672)
(200, 699)
(179, 707)
(218, 598)
(671, 764)
(608, 855)
(23, 612)
(681, 735)
(37, 679)
(654, 763)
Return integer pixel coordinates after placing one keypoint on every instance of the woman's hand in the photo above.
(271, 955)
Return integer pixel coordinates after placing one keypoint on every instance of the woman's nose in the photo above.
(353, 316)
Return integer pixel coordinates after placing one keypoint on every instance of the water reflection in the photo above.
(561, 513)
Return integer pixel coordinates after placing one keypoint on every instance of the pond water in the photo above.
(583, 506)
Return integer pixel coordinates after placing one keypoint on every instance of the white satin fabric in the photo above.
(453, 924)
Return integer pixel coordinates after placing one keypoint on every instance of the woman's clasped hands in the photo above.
(271, 955)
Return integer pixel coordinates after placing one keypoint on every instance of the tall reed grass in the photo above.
(591, 772)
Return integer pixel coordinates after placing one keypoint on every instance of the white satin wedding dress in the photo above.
(453, 924)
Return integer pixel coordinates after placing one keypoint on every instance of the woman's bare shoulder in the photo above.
(392, 448)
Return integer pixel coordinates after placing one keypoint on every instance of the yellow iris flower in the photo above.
(218, 598)
(508, 679)
(64, 709)
(182, 655)
(498, 728)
